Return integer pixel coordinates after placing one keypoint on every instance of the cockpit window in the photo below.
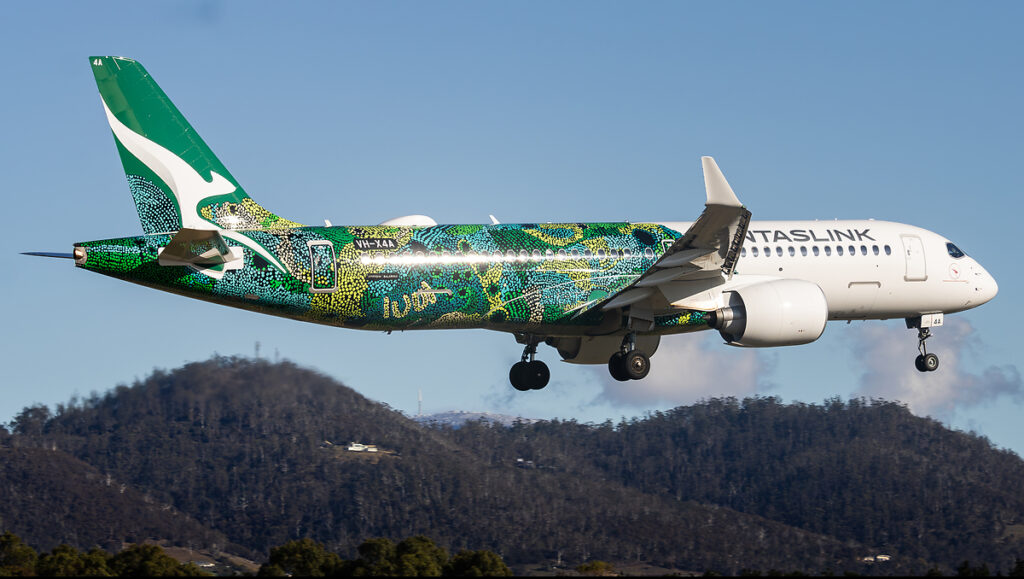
(954, 251)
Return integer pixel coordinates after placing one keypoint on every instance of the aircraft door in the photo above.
(322, 268)
(913, 251)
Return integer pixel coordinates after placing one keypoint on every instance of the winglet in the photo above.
(718, 189)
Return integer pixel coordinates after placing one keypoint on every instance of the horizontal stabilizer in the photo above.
(200, 247)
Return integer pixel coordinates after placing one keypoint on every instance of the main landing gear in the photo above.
(629, 363)
(528, 373)
(925, 362)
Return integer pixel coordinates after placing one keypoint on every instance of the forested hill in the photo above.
(863, 471)
(51, 498)
(255, 451)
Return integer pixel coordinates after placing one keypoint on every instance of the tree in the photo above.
(477, 564)
(419, 557)
(376, 559)
(94, 563)
(31, 421)
(67, 561)
(304, 557)
(16, 558)
(150, 561)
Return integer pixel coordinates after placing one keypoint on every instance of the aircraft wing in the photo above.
(705, 255)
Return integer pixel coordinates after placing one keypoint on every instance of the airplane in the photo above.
(599, 293)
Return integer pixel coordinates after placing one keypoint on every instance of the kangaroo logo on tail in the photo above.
(166, 161)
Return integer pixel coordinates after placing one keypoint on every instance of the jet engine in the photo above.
(784, 312)
(599, 349)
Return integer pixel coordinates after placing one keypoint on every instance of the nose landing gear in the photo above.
(629, 363)
(925, 362)
(529, 373)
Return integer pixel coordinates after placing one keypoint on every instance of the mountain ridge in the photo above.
(238, 445)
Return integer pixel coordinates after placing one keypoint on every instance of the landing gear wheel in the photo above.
(536, 374)
(919, 363)
(930, 362)
(617, 367)
(518, 375)
(636, 365)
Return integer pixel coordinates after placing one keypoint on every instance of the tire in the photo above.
(517, 376)
(636, 365)
(919, 363)
(617, 368)
(537, 374)
(931, 362)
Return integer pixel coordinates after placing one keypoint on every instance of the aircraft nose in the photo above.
(985, 286)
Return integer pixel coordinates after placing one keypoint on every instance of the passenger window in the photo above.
(561, 254)
(767, 251)
(792, 251)
(575, 254)
(803, 251)
(828, 250)
(536, 255)
(548, 254)
(588, 254)
(778, 251)
(743, 252)
(853, 250)
(874, 249)
(839, 250)
(510, 256)
(600, 254)
(863, 250)
(814, 250)
(626, 253)
(888, 250)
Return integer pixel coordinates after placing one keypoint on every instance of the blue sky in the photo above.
(531, 111)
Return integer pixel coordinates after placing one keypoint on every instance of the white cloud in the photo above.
(887, 359)
(685, 369)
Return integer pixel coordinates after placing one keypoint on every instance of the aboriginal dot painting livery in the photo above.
(599, 293)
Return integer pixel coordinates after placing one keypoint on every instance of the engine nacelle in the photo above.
(784, 312)
(599, 349)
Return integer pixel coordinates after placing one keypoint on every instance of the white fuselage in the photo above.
(867, 269)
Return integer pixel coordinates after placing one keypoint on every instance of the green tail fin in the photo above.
(176, 180)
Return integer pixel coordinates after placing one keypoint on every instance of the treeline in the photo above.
(248, 455)
(413, 557)
(20, 560)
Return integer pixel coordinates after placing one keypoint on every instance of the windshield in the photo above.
(954, 251)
